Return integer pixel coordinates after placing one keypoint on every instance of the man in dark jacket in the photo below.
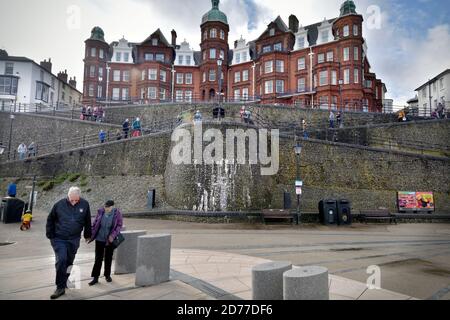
(65, 223)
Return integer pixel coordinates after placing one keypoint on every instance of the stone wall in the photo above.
(368, 177)
(278, 115)
(430, 137)
(47, 131)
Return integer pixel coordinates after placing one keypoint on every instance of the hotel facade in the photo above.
(321, 65)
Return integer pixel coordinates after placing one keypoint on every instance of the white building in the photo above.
(185, 55)
(433, 92)
(241, 52)
(25, 83)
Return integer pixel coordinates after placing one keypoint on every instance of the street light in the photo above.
(11, 117)
(108, 68)
(219, 67)
(298, 183)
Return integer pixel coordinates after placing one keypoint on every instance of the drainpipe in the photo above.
(311, 78)
(254, 80)
(173, 82)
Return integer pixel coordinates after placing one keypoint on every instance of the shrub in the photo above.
(61, 178)
(74, 177)
(49, 185)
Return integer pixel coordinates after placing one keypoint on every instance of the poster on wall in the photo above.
(415, 201)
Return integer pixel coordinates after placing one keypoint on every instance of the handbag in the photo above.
(118, 241)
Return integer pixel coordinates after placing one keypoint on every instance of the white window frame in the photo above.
(162, 75)
(355, 53)
(245, 74)
(279, 66)
(153, 74)
(180, 78)
(268, 87)
(323, 78)
(152, 93)
(188, 78)
(346, 54)
(116, 75)
(126, 76)
(346, 31)
(321, 58)
(333, 77)
(330, 56)
(268, 67)
(301, 63)
(279, 86)
(301, 85)
(356, 75)
(237, 77)
(346, 76)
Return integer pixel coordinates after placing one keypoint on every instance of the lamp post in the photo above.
(173, 82)
(11, 117)
(298, 182)
(219, 74)
(108, 68)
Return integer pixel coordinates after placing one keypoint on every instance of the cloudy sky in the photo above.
(408, 40)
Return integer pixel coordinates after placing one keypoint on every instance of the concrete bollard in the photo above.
(306, 283)
(126, 253)
(267, 280)
(153, 259)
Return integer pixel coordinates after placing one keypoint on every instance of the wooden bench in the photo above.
(380, 214)
(276, 214)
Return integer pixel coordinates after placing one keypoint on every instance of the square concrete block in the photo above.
(126, 253)
(153, 259)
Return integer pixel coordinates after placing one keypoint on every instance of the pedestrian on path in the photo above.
(22, 151)
(137, 127)
(32, 150)
(332, 118)
(65, 223)
(126, 128)
(102, 136)
(107, 226)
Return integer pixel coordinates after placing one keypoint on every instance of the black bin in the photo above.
(12, 210)
(328, 212)
(287, 201)
(344, 212)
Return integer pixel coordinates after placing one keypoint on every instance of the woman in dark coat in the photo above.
(107, 226)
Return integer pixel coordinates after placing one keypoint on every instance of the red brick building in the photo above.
(321, 65)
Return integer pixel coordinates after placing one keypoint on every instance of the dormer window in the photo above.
(267, 49)
(118, 56)
(301, 42)
(325, 36)
(346, 31)
(272, 32)
(154, 42)
(278, 47)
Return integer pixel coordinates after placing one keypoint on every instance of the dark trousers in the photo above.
(65, 252)
(102, 251)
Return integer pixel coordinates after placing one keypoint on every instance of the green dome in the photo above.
(348, 7)
(97, 34)
(215, 14)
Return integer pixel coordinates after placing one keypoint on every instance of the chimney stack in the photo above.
(47, 65)
(73, 82)
(63, 76)
(174, 38)
(293, 23)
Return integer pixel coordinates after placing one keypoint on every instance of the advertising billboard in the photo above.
(415, 201)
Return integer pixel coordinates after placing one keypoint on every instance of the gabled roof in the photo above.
(434, 79)
(280, 24)
(160, 36)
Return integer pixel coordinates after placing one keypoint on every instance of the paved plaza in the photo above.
(214, 261)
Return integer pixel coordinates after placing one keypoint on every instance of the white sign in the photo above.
(298, 191)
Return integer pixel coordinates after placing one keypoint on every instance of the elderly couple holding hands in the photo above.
(65, 223)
